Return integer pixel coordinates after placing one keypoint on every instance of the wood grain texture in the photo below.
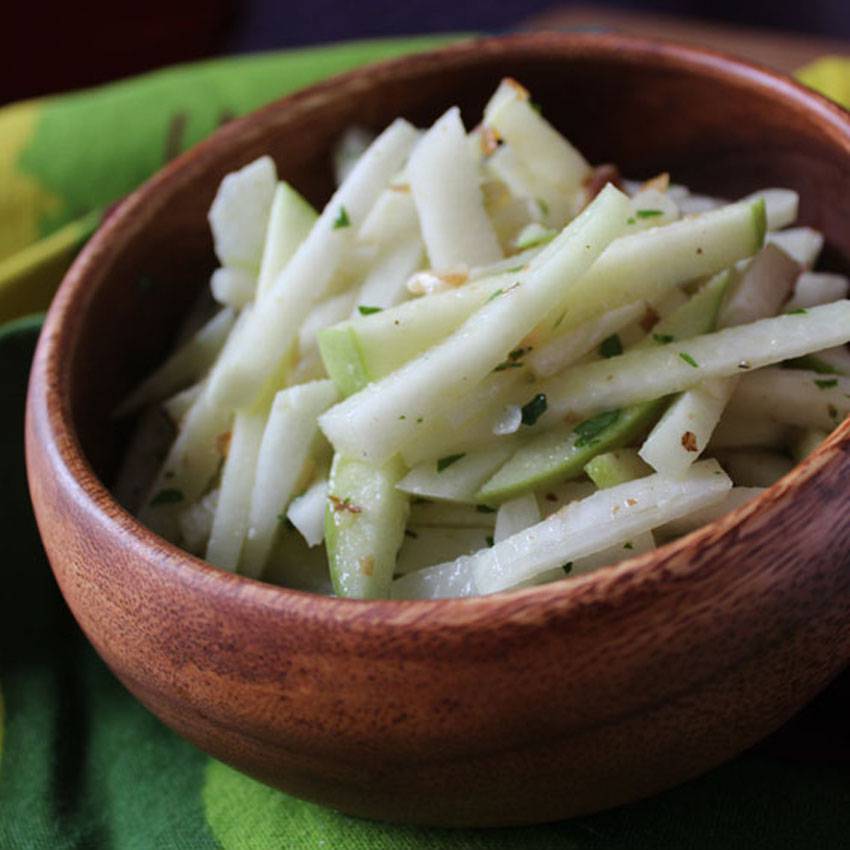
(516, 708)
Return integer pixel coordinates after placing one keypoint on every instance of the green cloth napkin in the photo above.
(82, 764)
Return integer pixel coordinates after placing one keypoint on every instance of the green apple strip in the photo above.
(323, 315)
(283, 455)
(684, 431)
(230, 524)
(647, 264)
(650, 373)
(616, 467)
(378, 421)
(185, 366)
(291, 220)
(307, 512)
(794, 396)
(271, 332)
(369, 347)
(605, 519)
(781, 206)
(364, 526)
(392, 218)
(563, 451)
(444, 181)
(456, 477)
(641, 265)
(240, 212)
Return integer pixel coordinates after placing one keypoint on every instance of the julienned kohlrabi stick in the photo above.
(378, 421)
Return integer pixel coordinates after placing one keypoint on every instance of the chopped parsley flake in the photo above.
(688, 359)
(409, 532)
(507, 365)
(568, 567)
(827, 383)
(649, 213)
(611, 347)
(485, 509)
(559, 320)
(800, 311)
(534, 409)
(448, 460)
(663, 339)
(544, 207)
(631, 220)
(489, 539)
(365, 310)
(495, 295)
(628, 546)
(342, 219)
(590, 430)
(168, 496)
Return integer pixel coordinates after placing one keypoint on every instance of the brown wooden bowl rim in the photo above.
(49, 397)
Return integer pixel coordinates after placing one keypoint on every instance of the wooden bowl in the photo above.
(521, 707)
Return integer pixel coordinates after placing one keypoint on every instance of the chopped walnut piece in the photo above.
(661, 182)
(689, 441)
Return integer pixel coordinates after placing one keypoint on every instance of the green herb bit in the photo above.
(800, 311)
(515, 269)
(448, 460)
(419, 420)
(688, 359)
(628, 546)
(611, 347)
(485, 509)
(368, 311)
(826, 383)
(342, 219)
(567, 568)
(420, 500)
(409, 532)
(489, 539)
(518, 352)
(590, 430)
(631, 220)
(544, 207)
(559, 320)
(663, 339)
(534, 409)
(494, 296)
(168, 496)
(649, 213)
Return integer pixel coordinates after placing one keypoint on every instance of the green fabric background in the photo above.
(82, 764)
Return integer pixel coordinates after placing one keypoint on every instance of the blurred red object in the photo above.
(55, 46)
